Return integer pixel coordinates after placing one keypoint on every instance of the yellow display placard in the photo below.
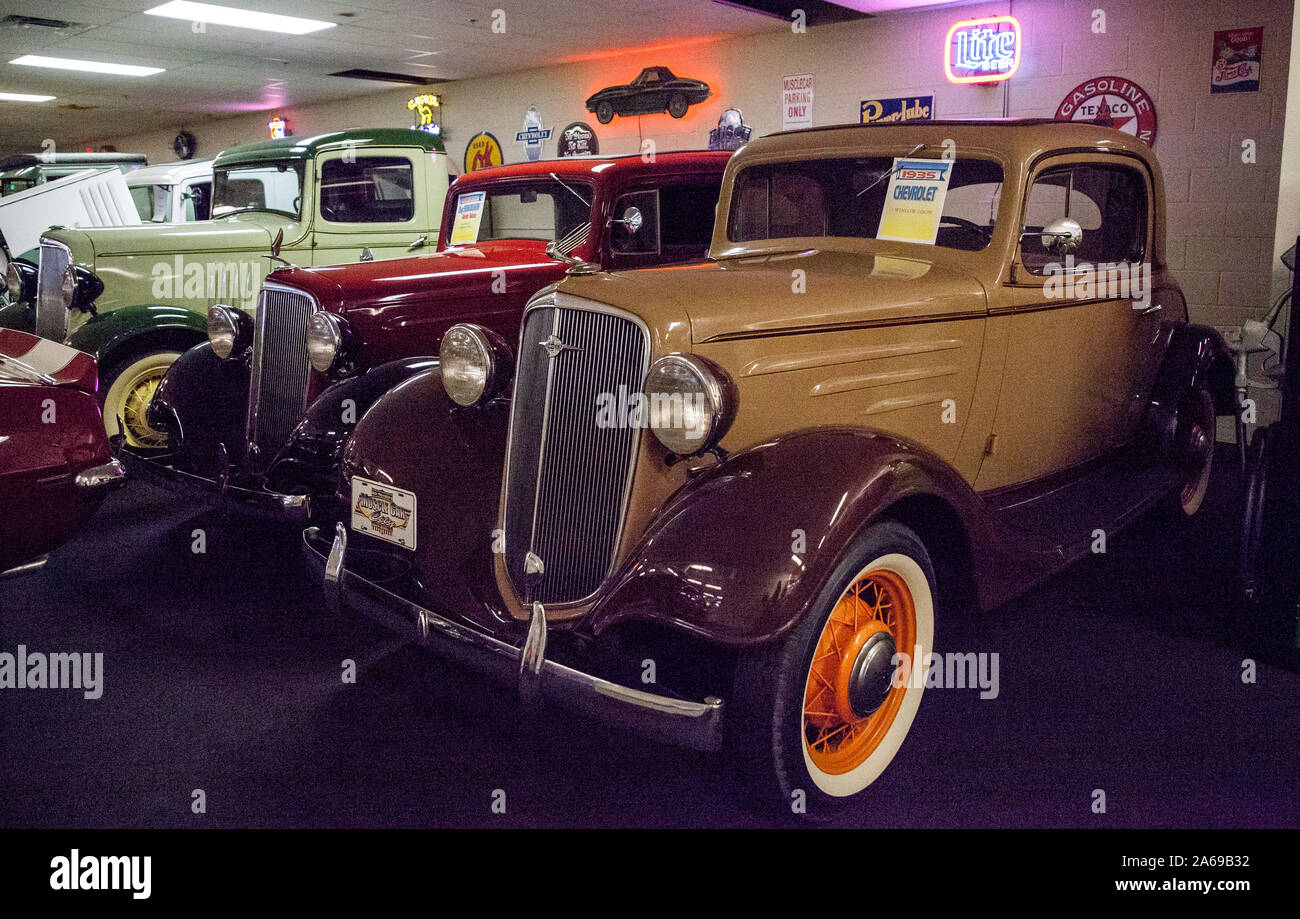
(469, 214)
(914, 200)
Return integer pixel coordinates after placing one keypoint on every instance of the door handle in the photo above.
(419, 243)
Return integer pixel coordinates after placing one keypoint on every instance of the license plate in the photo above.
(384, 512)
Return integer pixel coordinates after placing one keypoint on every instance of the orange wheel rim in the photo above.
(837, 737)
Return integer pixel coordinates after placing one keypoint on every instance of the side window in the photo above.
(686, 214)
(372, 189)
(635, 230)
(1108, 202)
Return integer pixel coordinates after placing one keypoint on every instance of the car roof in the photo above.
(170, 173)
(1021, 138)
(307, 147)
(21, 160)
(599, 164)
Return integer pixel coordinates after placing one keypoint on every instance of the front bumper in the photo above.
(697, 725)
(219, 493)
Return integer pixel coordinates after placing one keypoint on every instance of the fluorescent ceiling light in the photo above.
(23, 97)
(239, 19)
(63, 63)
(887, 6)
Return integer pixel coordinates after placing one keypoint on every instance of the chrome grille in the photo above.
(568, 480)
(277, 392)
(51, 314)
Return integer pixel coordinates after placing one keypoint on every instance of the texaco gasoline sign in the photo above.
(1113, 102)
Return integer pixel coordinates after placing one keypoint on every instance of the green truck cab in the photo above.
(137, 297)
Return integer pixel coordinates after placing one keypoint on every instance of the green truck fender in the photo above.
(134, 346)
(122, 333)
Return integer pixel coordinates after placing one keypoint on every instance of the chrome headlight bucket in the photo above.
(330, 341)
(20, 282)
(230, 331)
(475, 364)
(79, 288)
(690, 403)
(68, 286)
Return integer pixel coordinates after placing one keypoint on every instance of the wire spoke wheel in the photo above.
(1196, 436)
(850, 698)
(128, 398)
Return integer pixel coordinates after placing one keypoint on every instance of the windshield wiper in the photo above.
(253, 207)
(882, 178)
(570, 190)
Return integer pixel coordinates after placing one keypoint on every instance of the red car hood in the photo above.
(443, 273)
(26, 359)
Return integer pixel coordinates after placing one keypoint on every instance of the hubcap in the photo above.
(870, 675)
(1196, 456)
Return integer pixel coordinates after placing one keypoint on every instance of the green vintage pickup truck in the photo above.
(137, 297)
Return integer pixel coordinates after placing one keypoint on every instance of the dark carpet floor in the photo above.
(222, 673)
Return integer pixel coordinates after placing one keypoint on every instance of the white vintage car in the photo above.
(173, 192)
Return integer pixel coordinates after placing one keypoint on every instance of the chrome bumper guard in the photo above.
(218, 493)
(100, 480)
(697, 725)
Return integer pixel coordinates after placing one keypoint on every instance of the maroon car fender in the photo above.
(737, 555)
(415, 438)
(40, 507)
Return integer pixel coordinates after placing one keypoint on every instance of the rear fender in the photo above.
(1197, 357)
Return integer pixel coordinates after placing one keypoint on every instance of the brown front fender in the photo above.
(415, 438)
(739, 554)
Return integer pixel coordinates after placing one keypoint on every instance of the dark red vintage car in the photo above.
(55, 465)
(256, 418)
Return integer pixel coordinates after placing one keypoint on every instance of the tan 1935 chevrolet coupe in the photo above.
(926, 363)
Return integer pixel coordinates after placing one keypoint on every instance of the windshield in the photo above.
(847, 198)
(543, 209)
(153, 202)
(275, 188)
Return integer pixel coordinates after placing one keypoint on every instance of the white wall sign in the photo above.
(797, 101)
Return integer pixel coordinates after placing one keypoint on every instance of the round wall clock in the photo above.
(184, 145)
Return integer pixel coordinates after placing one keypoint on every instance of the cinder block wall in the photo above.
(1222, 211)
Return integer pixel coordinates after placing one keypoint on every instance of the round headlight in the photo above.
(470, 362)
(326, 338)
(229, 330)
(14, 282)
(689, 403)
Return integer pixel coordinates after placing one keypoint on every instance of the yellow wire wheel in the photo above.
(128, 396)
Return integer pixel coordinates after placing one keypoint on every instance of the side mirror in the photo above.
(1062, 237)
(632, 219)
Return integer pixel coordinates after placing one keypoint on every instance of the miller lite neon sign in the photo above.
(982, 50)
